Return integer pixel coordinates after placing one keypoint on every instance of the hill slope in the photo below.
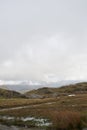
(54, 92)
(4, 93)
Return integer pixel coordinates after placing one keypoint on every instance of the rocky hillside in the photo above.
(46, 91)
(4, 93)
(55, 92)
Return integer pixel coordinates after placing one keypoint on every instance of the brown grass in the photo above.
(65, 120)
(8, 103)
(64, 112)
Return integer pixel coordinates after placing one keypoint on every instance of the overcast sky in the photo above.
(43, 39)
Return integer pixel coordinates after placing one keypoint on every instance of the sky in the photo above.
(43, 40)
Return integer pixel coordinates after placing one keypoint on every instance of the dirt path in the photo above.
(20, 107)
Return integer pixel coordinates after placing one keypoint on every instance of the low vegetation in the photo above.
(16, 102)
(10, 94)
(66, 120)
(66, 112)
(45, 92)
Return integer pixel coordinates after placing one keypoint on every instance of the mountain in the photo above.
(10, 94)
(78, 88)
(20, 86)
(44, 92)
(23, 86)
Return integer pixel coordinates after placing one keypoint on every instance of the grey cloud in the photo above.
(42, 38)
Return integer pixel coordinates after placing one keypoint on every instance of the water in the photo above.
(4, 127)
(38, 121)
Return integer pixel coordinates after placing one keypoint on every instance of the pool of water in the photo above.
(4, 127)
(38, 121)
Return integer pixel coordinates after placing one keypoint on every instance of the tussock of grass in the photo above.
(66, 120)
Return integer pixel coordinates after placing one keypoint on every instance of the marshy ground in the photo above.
(64, 112)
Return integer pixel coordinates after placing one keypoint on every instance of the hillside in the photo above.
(46, 91)
(4, 93)
(55, 92)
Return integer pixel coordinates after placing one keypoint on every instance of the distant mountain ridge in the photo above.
(23, 86)
(78, 88)
(46, 92)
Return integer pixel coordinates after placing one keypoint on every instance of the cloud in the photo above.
(41, 38)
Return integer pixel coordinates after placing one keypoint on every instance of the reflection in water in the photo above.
(38, 121)
(4, 127)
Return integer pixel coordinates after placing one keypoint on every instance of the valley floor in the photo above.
(62, 112)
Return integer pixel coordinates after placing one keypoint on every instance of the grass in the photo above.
(64, 90)
(9, 103)
(66, 120)
(65, 112)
